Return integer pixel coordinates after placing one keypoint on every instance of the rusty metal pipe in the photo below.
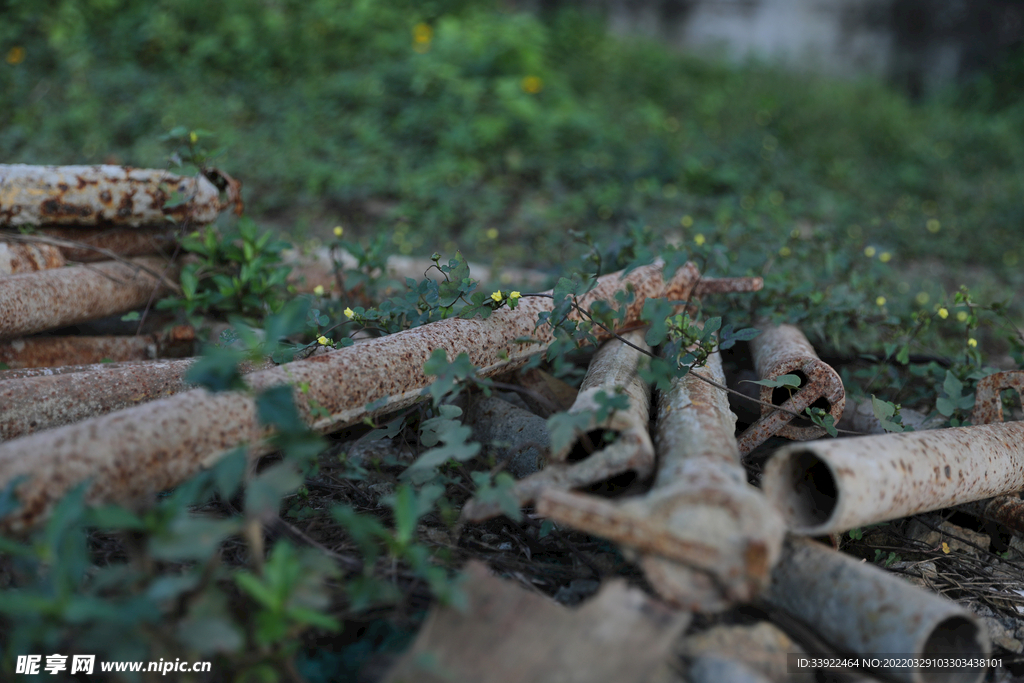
(32, 404)
(47, 299)
(97, 244)
(781, 350)
(988, 409)
(148, 448)
(613, 369)
(26, 258)
(831, 486)
(40, 352)
(22, 373)
(860, 609)
(109, 195)
(707, 538)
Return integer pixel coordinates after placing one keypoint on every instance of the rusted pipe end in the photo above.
(956, 637)
(803, 488)
(825, 390)
(859, 608)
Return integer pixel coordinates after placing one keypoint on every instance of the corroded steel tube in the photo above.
(707, 538)
(781, 350)
(32, 404)
(701, 491)
(860, 609)
(613, 369)
(988, 409)
(108, 195)
(47, 299)
(84, 244)
(317, 269)
(40, 352)
(144, 449)
(831, 486)
(26, 258)
(22, 373)
(988, 404)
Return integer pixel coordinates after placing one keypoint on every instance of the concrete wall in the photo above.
(916, 44)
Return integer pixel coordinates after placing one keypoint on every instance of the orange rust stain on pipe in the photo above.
(48, 299)
(124, 242)
(110, 195)
(26, 258)
(41, 352)
(138, 451)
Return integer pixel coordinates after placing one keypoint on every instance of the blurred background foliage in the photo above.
(461, 122)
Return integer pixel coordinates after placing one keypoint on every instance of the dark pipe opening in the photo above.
(807, 492)
(956, 637)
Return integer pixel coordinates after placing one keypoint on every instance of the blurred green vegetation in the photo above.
(456, 123)
(459, 122)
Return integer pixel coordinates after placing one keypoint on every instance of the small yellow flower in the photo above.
(869, 252)
(324, 341)
(193, 138)
(492, 233)
(497, 296)
(785, 251)
(532, 85)
(422, 34)
(943, 313)
(349, 313)
(687, 221)
(319, 290)
(945, 547)
(972, 342)
(880, 301)
(338, 231)
(514, 295)
(699, 240)
(16, 55)
(961, 316)
(885, 257)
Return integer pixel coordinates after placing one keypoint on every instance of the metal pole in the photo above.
(781, 350)
(109, 195)
(47, 299)
(707, 538)
(860, 609)
(33, 404)
(26, 258)
(40, 352)
(830, 486)
(148, 448)
(629, 448)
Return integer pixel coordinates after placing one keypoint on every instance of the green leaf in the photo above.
(501, 492)
(114, 517)
(264, 493)
(791, 381)
(884, 410)
(191, 537)
(563, 428)
(455, 437)
(217, 370)
(276, 407)
(657, 312)
(952, 386)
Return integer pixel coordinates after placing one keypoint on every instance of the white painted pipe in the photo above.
(831, 486)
